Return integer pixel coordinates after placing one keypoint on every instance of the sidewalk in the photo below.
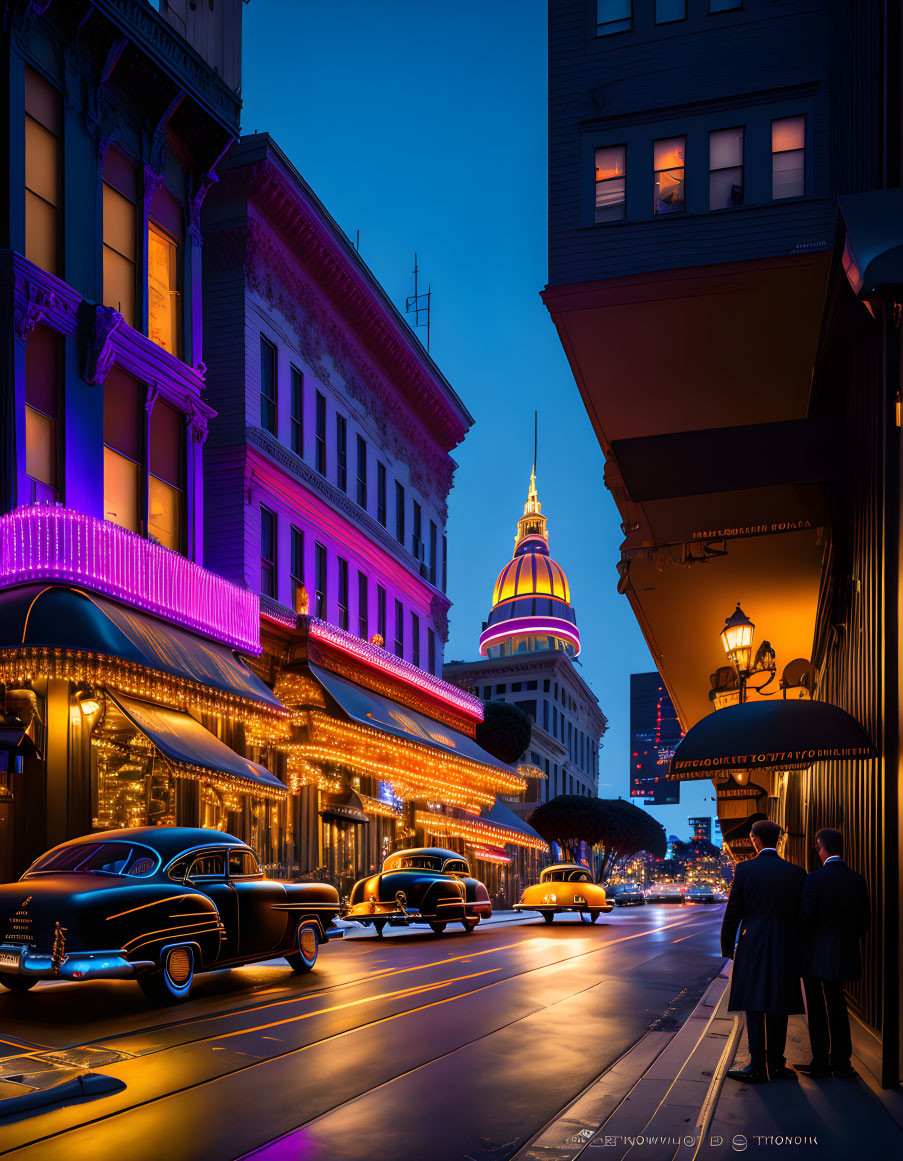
(668, 1099)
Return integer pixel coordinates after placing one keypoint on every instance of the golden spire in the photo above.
(532, 523)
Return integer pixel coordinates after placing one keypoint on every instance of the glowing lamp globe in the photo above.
(737, 637)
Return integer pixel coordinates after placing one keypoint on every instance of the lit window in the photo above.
(43, 170)
(119, 252)
(613, 16)
(163, 297)
(611, 183)
(43, 376)
(297, 412)
(670, 195)
(726, 168)
(267, 552)
(123, 419)
(788, 157)
(267, 386)
(165, 482)
(667, 11)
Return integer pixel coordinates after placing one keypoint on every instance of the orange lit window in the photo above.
(611, 183)
(788, 157)
(43, 365)
(123, 416)
(165, 487)
(163, 288)
(43, 127)
(670, 196)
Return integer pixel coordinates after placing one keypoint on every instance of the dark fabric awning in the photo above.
(345, 806)
(183, 739)
(381, 713)
(768, 735)
(503, 816)
(58, 617)
(873, 247)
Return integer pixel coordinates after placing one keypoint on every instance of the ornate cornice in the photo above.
(32, 306)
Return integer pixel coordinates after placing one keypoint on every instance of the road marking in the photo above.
(683, 937)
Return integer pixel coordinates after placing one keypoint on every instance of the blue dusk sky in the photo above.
(423, 126)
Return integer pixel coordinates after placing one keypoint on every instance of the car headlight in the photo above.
(550, 898)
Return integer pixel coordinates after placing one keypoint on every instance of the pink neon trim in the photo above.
(378, 658)
(529, 626)
(44, 542)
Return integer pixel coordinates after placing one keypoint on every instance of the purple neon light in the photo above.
(531, 626)
(378, 658)
(44, 543)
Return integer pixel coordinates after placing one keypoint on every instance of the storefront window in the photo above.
(163, 289)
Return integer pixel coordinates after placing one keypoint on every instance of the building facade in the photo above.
(725, 179)
(654, 735)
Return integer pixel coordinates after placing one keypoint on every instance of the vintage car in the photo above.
(624, 894)
(421, 885)
(156, 904)
(565, 887)
(700, 893)
(666, 893)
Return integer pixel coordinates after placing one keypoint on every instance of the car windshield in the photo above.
(553, 877)
(111, 858)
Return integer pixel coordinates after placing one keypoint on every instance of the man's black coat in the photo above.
(764, 904)
(835, 913)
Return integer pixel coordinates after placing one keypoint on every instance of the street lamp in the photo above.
(737, 638)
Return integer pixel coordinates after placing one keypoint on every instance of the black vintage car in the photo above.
(156, 904)
(421, 885)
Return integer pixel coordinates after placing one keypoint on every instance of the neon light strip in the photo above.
(398, 668)
(529, 626)
(45, 543)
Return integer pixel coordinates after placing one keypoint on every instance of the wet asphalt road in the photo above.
(458, 1047)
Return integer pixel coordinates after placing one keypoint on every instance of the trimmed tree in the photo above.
(505, 731)
(615, 829)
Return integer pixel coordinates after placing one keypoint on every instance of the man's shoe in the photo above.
(749, 1074)
(814, 1068)
(845, 1071)
(781, 1072)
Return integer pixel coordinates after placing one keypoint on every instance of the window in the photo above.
(321, 434)
(297, 567)
(363, 630)
(381, 493)
(415, 639)
(381, 612)
(123, 420)
(343, 593)
(724, 5)
(399, 513)
(43, 379)
(297, 412)
(667, 11)
(444, 562)
(320, 609)
(267, 385)
(545, 714)
(399, 629)
(613, 16)
(163, 289)
(500, 688)
(43, 172)
(531, 685)
(434, 539)
(242, 864)
(516, 686)
(670, 196)
(611, 183)
(416, 541)
(431, 650)
(120, 235)
(788, 157)
(341, 451)
(166, 482)
(725, 168)
(362, 471)
(267, 552)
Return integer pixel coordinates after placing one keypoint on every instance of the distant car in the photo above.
(421, 885)
(699, 893)
(565, 887)
(624, 894)
(156, 904)
(666, 893)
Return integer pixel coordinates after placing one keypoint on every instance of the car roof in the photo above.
(167, 841)
(435, 852)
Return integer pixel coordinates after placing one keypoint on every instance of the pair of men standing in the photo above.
(794, 925)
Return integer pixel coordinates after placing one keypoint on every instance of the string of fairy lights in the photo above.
(477, 830)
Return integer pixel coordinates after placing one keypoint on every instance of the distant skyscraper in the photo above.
(701, 828)
(654, 734)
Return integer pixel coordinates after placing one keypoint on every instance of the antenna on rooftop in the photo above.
(418, 304)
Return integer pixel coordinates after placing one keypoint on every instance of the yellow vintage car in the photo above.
(565, 887)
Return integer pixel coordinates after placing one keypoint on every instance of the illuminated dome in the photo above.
(531, 602)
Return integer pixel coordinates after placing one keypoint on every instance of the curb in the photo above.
(91, 1084)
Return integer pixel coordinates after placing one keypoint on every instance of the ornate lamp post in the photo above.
(737, 638)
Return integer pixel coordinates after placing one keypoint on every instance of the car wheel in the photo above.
(470, 925)
(378, 925)
(17, 983)
(305, 957)
(548, 916)
(171, 982)
(437, 928)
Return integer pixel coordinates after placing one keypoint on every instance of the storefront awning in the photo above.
(345, 806)
(183, 740)
(499, 827)
(59, 618)
(502, 816)
(768, 735)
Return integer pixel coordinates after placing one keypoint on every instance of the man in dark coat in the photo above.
(835, 913)
(764, 905)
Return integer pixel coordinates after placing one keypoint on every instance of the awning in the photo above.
(499, 827)
(873, 248)
(389, 717)
(768, 735)
(59, 618)
(184, 741)
(346, 806)
(502, 816)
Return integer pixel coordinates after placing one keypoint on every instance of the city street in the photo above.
(469, 1043)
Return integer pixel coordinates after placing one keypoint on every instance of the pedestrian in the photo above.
(835, 914)
(764, 906)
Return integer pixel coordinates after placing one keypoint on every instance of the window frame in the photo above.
(296, 563)
(361, 444)
(363, 603)
(381, 510)
(297, 410)
(399, 512)
(415, 639)
(399, 628)
(623, 23)
(269, 568)
(670, 19)
(269, 404)
(341, 451)
(321, 580)
(381, 615)
(342, 592)
(608, 221)
(780, 152)
(725, 168)
(656, 200)
(321, 457)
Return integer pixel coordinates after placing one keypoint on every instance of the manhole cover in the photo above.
(81, 1057)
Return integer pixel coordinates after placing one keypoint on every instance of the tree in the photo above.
(614, 828)
(505, 731)
(629, 830)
